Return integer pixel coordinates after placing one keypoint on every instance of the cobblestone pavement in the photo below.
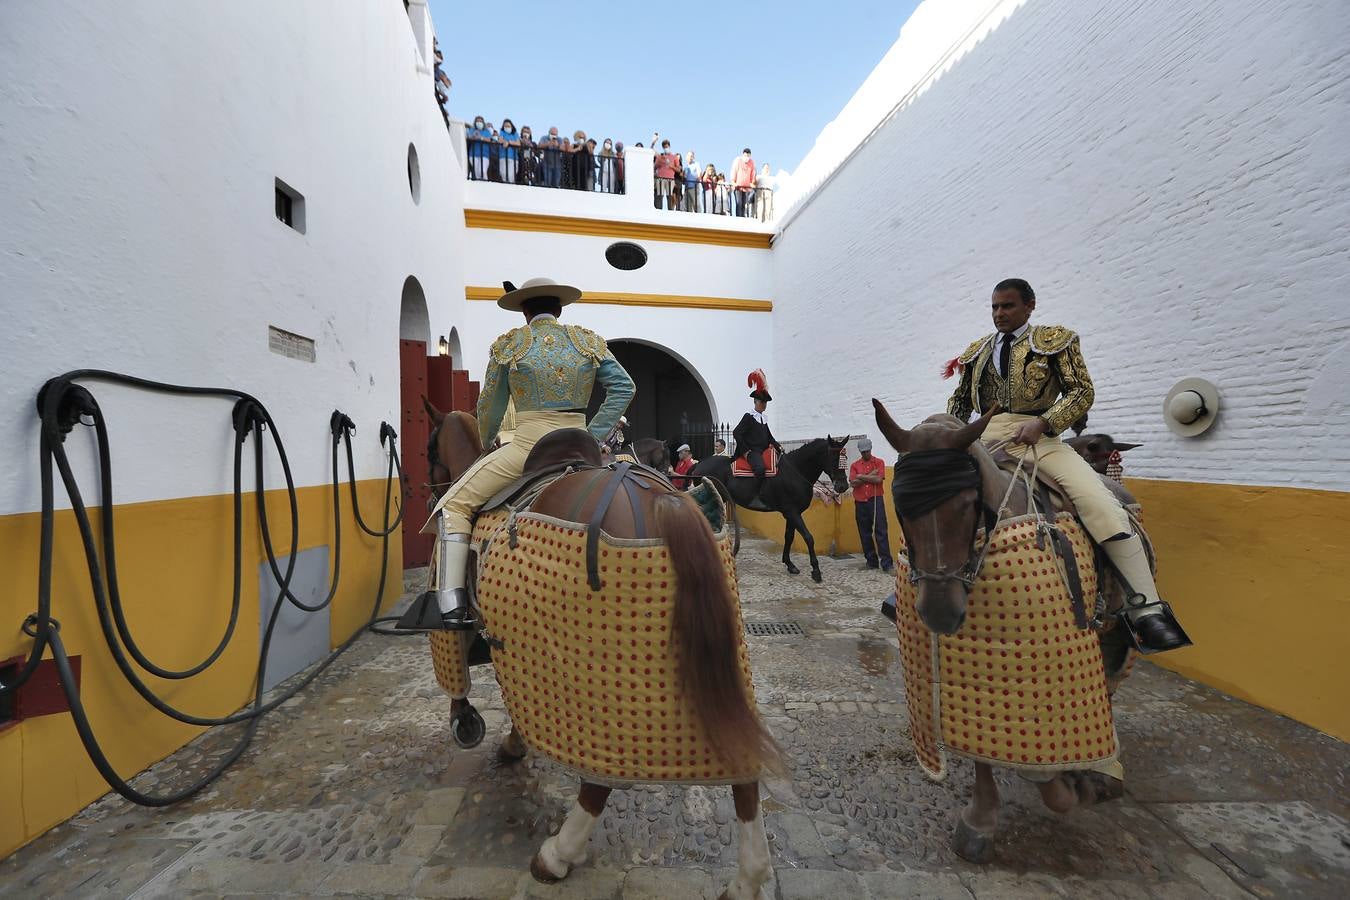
(354, 788)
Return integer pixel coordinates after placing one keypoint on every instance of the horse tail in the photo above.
(706, 637)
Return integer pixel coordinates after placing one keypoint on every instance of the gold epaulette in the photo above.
(1048, 340)
(588, 342)
(974, 349)
(511, 347)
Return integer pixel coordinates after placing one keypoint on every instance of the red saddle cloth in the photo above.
(740, 467)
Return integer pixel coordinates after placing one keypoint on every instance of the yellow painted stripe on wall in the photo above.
(519, 221)
(175, 562)
(680, 301)
(1260, 577)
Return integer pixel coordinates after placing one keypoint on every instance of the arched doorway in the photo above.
(672, 403)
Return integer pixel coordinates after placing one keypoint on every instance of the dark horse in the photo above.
(788, 492)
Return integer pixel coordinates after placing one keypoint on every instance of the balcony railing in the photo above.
(550, 167)
(717, 198)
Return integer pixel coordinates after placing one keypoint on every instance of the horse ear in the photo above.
(969, 434)
(1122, 446)
(436, 415)
(896, 436)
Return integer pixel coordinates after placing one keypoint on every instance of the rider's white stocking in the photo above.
(753, 869)
(1130, 558)
(567, 848)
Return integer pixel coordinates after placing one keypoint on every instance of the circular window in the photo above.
(626, 255)
(414, 175)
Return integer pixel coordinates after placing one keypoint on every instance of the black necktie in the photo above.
(1005, 354)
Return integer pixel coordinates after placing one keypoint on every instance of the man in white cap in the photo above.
(683, 465)
(866, 476)
(546, 370)
(1038, 376)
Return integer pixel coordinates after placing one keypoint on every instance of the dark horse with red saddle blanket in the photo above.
(789, 492)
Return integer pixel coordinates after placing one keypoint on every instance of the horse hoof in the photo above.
(815, 576)
(1097, 787)
(512, 748)
(467, 728)
(541, 874)
(971, 845)
(793, 570)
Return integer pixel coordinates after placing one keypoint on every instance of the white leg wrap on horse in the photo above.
(1129, 556)
(753, 868)
(452, 565)
(567, 848)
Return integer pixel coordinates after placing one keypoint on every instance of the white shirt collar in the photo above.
(1013, 336)
(757, 416)
(544, 317)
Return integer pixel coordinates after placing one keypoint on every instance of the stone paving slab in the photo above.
(354, 788)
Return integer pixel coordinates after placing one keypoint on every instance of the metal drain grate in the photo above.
(772, 629)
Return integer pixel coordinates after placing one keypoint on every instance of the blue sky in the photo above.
(712, 77)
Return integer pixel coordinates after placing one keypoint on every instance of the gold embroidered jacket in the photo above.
(546, 365)
(1046, 377)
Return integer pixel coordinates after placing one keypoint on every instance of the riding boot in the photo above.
(452, 596)
(1150, 620)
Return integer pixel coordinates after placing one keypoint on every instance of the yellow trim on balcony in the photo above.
(517, 221)
(678, 301)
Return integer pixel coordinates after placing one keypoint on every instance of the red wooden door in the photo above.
(414, 428)
(438, 382)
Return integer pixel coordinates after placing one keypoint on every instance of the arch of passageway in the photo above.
(672, 403)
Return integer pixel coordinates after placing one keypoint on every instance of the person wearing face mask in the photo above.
(583, 173)
(691, 191)
(608, 164)
(619, 163)
(709, 192)
(764, 194)
(743, 181)
(478, 138)
(510, 144)
(551, 159)
(529, 157)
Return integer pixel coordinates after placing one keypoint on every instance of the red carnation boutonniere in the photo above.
(953, 366)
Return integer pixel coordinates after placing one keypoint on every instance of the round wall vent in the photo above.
(626, 255)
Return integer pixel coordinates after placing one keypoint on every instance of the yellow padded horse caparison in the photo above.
(590, 678)
(1020, 685)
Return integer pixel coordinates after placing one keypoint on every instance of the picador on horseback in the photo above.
(1036, 374)
(752, 434)
(546, 370)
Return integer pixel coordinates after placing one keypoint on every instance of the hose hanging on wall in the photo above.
(61, 405)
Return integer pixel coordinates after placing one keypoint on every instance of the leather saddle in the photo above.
(740, 466)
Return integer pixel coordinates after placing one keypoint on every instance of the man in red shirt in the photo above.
(869, 504)
(683, 467)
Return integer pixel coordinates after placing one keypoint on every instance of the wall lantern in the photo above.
(444, 346)
(1191, 406)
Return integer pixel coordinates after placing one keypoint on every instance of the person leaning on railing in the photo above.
(581, 162)
(764, 194)
(709, 191)
(478, 138)
(691, 190)
(510, 142)
(529, 157)
(551, 158)
(607, 173)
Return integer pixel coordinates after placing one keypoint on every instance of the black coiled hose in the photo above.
(61, 405)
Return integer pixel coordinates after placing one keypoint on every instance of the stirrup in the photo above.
(425, 615)
(1163, 610)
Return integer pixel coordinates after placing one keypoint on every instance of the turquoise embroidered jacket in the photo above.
(546, 365)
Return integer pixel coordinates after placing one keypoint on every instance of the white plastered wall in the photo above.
(139, 141)
(1169, 176)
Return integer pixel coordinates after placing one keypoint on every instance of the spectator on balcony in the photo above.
(764, 188)
(690, 183)
(723, 199)
(594, 151)
(529, 157)
(582, 166)
(609, 169)
(677, 181)
(619, 162)
(664, 169)
(743, 181)
(441, 81)
(494, 154)
(509, 151)
(709, 181)
(551, 159)
(480, 152)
